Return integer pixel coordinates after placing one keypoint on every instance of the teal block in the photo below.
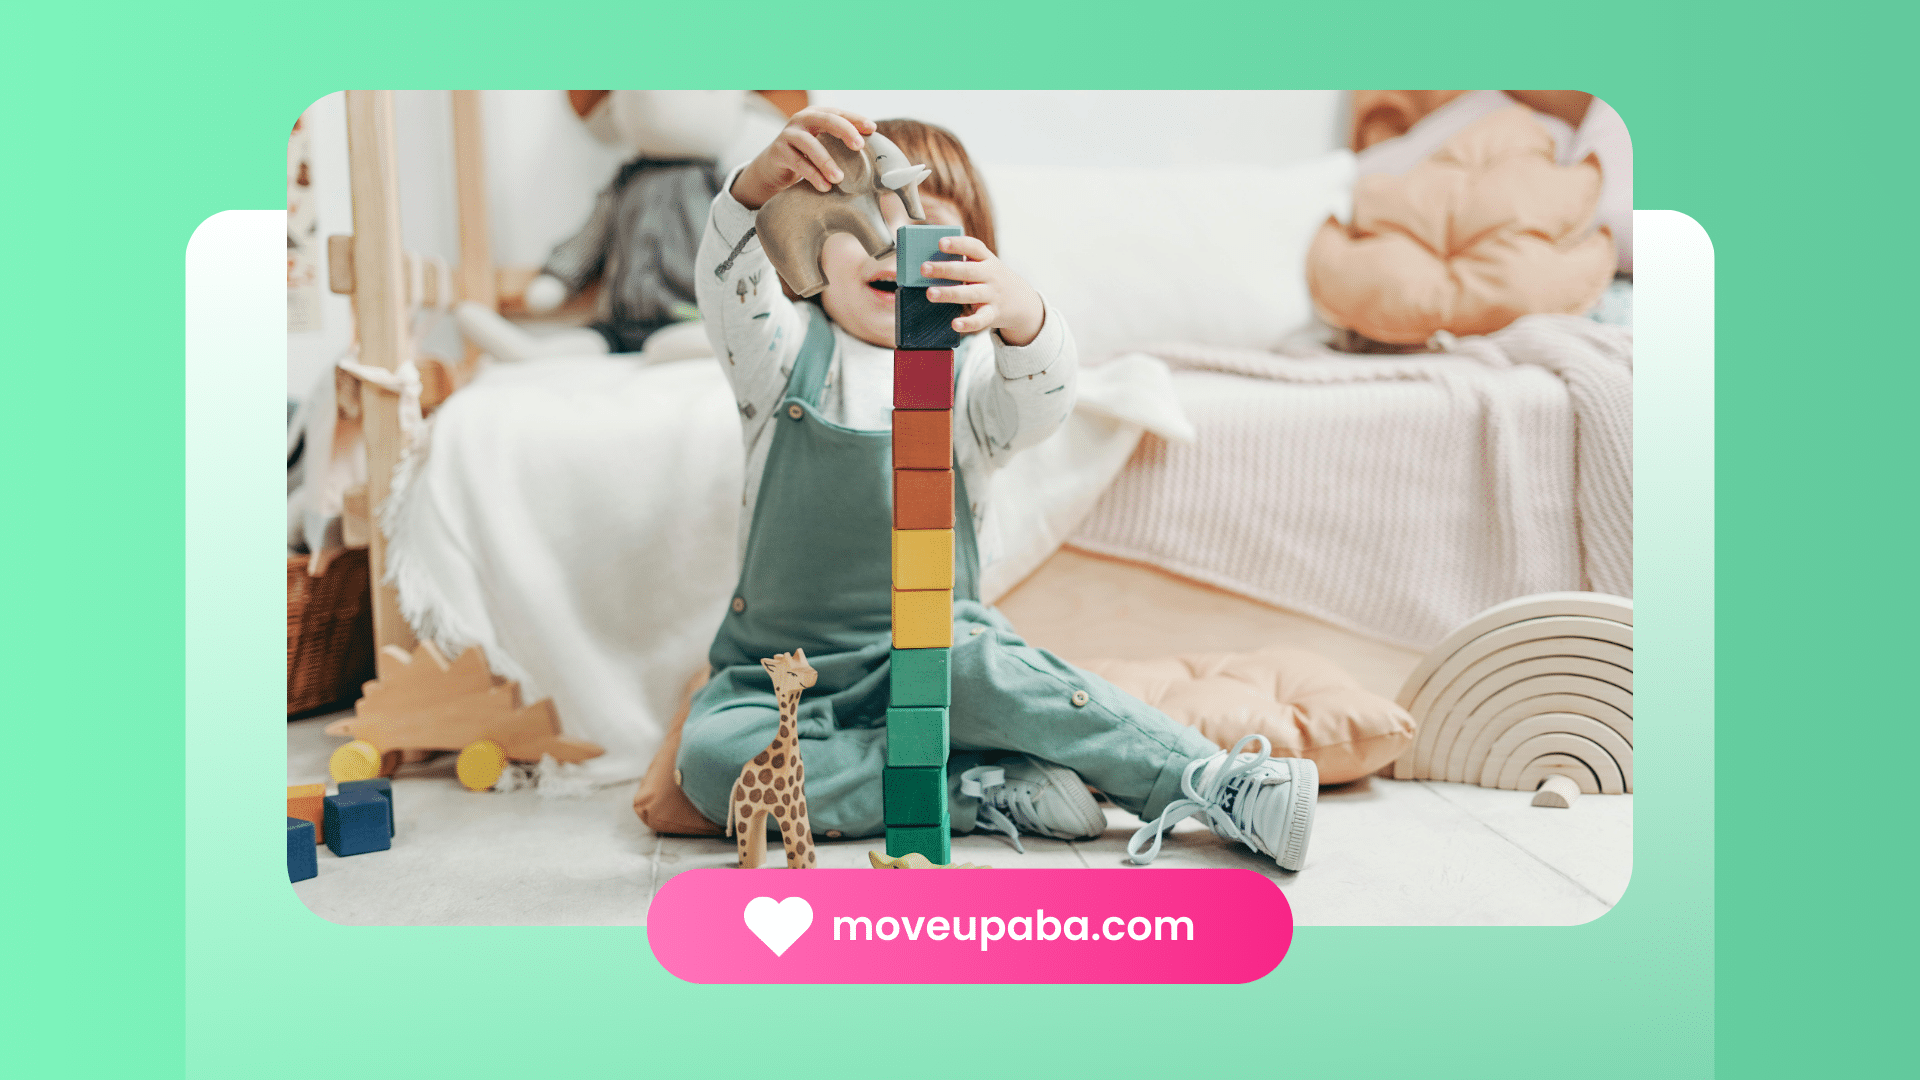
(916, 244)
(933, 841)
(916, 738)
(918, 679)
(915, 796)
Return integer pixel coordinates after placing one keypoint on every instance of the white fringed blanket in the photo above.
(1396, 496)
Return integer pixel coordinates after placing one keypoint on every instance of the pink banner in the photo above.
(970, 926)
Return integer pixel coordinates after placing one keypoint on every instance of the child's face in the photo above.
(859, 294)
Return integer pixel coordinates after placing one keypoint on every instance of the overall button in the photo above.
(793, 411)
(739, 604)
(976, 631)
(1079, 698)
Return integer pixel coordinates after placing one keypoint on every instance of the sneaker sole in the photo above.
(1067, 785)
(1086, 806)
(1306, 793)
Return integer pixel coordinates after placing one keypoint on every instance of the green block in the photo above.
(916, 738)
(915, 796)
(918, 679)
(933, 841)
(916, 244)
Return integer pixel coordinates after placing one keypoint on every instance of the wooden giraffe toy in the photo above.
(774, 781)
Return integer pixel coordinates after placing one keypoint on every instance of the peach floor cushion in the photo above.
(1302, 702)
(1306, 705)
(1486, 230)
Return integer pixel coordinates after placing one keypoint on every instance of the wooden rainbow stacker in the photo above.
(920, 690)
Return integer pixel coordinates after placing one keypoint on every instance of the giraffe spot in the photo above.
(779, 761)
(762, 759)
(754, 795)
(779, 783)
(785, 798)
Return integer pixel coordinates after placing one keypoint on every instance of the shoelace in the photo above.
(1207, 801)
(988, 783)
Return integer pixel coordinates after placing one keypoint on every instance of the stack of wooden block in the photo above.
(915, 781)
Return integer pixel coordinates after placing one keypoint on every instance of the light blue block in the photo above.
(917, 244)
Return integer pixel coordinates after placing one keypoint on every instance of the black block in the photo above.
(918, 323)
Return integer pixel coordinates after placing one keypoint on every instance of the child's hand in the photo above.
(998, 297)
(796, 154)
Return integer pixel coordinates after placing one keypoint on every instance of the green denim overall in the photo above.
(817, 576)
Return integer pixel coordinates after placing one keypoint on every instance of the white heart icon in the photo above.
(778, 924)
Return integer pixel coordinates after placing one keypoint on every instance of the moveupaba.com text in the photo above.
(988, 929)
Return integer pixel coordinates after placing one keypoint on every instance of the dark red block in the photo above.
(923, 378)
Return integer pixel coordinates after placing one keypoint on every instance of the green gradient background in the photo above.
(1778, 129)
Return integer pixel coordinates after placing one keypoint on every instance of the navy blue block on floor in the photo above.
(301, 863)
(357, 822)
(380, 784)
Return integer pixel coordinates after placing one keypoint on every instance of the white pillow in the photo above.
(1207, 255)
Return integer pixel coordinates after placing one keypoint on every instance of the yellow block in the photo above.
(923, 558)
(923, 619)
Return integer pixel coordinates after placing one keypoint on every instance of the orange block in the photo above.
(922, 438)
(923, 498)
(308, 802)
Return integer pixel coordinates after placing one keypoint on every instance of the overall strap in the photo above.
(816, 357)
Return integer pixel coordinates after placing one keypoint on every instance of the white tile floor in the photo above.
(1384, 852)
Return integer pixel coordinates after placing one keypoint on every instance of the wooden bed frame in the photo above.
(381, 307)
(376, 274)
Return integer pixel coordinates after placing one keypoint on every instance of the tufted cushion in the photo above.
(1302, 702)
(1486, 230)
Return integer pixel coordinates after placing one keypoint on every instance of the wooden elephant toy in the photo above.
(795, 223)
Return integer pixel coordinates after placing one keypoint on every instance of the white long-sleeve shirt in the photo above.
(1006, 397)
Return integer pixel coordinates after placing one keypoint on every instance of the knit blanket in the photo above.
(1395, 496)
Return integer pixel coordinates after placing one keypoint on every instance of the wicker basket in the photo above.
(329, 633)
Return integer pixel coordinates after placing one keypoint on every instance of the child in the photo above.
(814, 386)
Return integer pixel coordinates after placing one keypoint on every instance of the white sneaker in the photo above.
(1262, 801)
(1024, 794)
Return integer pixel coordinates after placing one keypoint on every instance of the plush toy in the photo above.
(640, 239)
